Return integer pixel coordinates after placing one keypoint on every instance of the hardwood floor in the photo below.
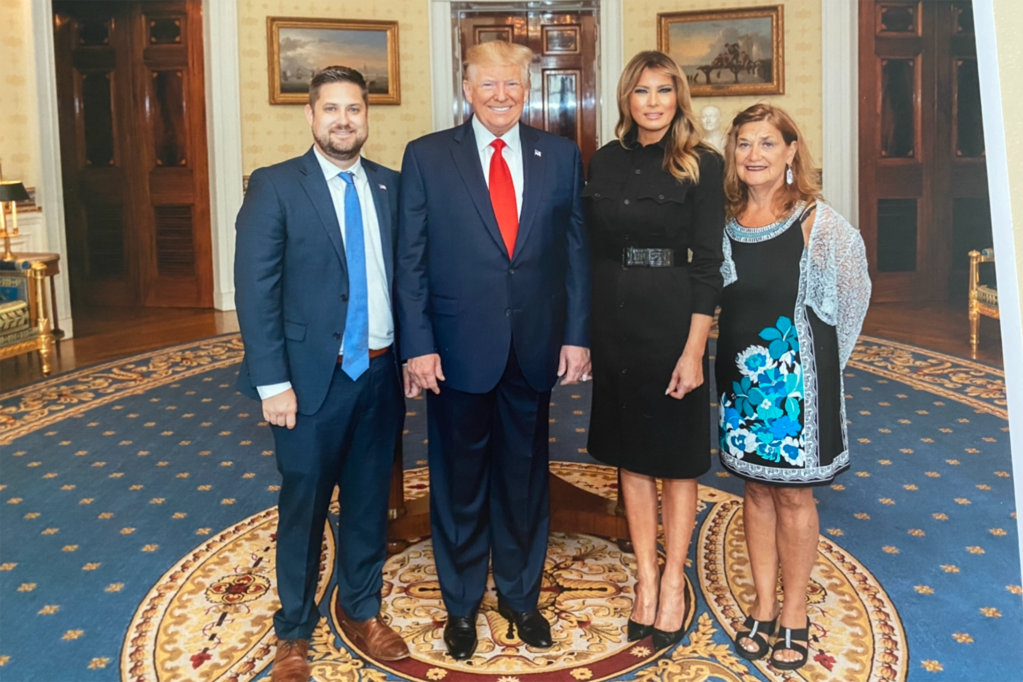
(944, 327)
(107, 333)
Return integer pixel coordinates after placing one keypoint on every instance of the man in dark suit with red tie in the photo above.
(313, 271)
(492, 294)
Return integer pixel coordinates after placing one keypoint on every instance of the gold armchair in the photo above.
(24, 325)
(983, 299)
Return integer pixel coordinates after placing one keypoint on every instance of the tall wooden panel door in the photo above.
(923, 180)
(563, 99)
(133, 152)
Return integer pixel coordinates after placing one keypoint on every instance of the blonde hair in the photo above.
(500, 53)
(681, 157)
(805, 185)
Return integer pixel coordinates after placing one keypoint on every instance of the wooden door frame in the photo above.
(223, 141)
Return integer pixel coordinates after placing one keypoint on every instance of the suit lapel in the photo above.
(379, 191)
(315, 186)
(532, 179)
(467, 160)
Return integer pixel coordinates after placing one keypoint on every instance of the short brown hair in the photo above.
(805, 185)
(501, 53)
(336, 74)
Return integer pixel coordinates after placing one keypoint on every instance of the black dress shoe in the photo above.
(534, 629)
(636, 631)
(460, 636)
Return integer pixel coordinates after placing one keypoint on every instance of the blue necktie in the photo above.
(356, 348)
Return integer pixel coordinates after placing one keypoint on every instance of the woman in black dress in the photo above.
(796, 291)
(654, 196)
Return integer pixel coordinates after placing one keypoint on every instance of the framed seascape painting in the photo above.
(727, 52)
(298, 48)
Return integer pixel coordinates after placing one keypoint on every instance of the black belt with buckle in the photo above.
(649, 258)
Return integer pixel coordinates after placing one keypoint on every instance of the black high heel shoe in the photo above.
(636, 631)
(663, 639)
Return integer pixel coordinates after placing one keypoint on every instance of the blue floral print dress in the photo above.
(777, 365)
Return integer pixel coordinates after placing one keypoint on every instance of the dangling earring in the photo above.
(788, 174)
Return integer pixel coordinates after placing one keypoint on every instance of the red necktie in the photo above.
(502, 196)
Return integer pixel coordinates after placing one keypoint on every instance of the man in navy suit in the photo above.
(492, 295)
(313, 272)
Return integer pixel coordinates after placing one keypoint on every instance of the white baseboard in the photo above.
(224, 300)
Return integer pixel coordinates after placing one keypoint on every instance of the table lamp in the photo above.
(11, 192)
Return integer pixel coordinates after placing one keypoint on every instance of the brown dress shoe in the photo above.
(374, 637)
(291, 664)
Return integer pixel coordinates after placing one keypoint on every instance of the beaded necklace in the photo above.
(752, 235)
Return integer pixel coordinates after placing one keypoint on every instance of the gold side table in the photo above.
(51, 261)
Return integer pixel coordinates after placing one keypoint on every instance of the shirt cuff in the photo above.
(272, 390)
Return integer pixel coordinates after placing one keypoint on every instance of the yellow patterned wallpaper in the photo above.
(18, 130)
(1008, 24)
(803, 93)
(274, 133)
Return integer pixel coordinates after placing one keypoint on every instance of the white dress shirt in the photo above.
(512, 155)
(381, 322)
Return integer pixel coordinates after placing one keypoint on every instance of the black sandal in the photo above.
(757, 631)
(787, 638)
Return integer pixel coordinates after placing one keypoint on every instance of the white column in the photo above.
(1006, 248)
(840, 106)
(612, 61)
(224, 139)
(50, 192)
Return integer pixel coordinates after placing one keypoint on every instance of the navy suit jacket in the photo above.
(291, 278)
(457, 291)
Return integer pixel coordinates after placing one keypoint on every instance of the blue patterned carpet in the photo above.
(112, 475)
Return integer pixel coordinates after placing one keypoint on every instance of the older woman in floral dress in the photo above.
(796, 291)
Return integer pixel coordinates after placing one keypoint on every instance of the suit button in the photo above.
(344, 297)
(337, 335)
(621, 304)
(625, 371)
(638, 171)
(661, 197)
(507, 312)
(511, 271)
(626, 202)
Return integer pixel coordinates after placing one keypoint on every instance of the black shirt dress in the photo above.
(641, 315)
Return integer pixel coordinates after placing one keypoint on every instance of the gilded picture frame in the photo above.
(727, 52)
(298, 47)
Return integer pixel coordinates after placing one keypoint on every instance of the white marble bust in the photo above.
(710, 116)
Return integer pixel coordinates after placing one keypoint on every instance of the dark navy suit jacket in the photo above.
(458, 293)
(291, 278)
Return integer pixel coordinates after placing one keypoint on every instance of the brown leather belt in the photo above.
(372, 354)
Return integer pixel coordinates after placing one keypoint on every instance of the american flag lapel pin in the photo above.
(537, 152)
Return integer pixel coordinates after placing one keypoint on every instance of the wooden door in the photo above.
(923, 181)
(133, 152)
(563, 99)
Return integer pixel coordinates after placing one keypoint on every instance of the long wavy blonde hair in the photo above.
(681, 157)
(805, 185)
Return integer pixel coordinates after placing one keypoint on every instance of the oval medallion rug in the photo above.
(137, 509)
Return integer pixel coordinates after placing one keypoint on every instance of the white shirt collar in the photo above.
(484, 137)
(331, 171)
